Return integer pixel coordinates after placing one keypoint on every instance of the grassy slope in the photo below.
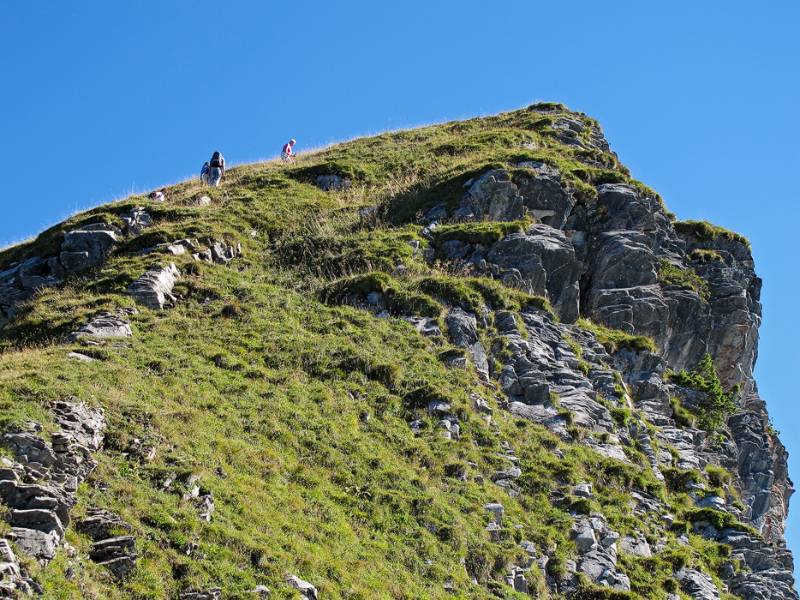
(295, 413)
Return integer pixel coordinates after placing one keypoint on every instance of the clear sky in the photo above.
(699, 99)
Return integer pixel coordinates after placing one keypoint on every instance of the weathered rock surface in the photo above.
(39, 485)
(547, 266)
(81, 249)
(154, 288)
(307, 591)
(219, 252)
(330, 183)
(105, 325)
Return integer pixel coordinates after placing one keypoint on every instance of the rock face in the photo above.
(606, 261)
(39, 485)
(544, 262)
(83, 248)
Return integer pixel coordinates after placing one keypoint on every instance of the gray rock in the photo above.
(136, 221)
(585, 539)
(497, 510)
(101, 524)
(39, 544)
(493, 196)
(39, 519)
(154, 288)
(104, 325)
(307, 591)
(334, 183)
(698, 585)
(547, 265)
(462, 328)
(212, 594)
(218, 252)
(87, 247)
(516, 579)
(636, 546)
(425, 325)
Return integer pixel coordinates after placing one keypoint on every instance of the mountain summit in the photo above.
(472, 360)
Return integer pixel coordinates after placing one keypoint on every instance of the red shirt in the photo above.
(287, 149)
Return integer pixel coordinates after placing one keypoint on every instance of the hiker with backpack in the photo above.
(287, 153)
(216, 169)
(204, 173)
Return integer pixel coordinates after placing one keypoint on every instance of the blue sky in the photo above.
(698, 98)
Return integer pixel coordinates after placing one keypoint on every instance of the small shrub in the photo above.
(398, 299)
(717, 405)
(679, 480)
(621, 416)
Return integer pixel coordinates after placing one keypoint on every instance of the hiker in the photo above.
(287, 153)
(216, 169)
(204, 173)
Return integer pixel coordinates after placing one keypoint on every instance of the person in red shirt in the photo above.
(287, 153)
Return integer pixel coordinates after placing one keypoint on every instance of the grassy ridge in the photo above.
(294, 410)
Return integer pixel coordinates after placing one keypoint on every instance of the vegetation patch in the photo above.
(614, 340)
(670, 274)
(396, 296)
(705, 255)
(717, 404)
(485, 233)
(708, 232)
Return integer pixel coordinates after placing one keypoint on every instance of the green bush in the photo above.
(717, 405)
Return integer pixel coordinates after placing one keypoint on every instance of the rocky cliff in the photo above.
(472, 360)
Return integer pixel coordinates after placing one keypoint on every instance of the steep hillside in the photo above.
(472, 360)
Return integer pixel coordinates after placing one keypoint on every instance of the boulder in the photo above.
(39, 544)
(329, 183)
(102, 326)
(462, 328)
(697, 585)
(154, 288)
(136, 221)
(307, 591)
(494, 197)
(87, 247)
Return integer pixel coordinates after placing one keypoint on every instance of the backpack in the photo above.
(217, 160)
(205, 168)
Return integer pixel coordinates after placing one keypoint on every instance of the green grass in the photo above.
(614, 340)
(484, 233)
(704, 255)
(707, 232)
(670, 274)
(294, 407)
